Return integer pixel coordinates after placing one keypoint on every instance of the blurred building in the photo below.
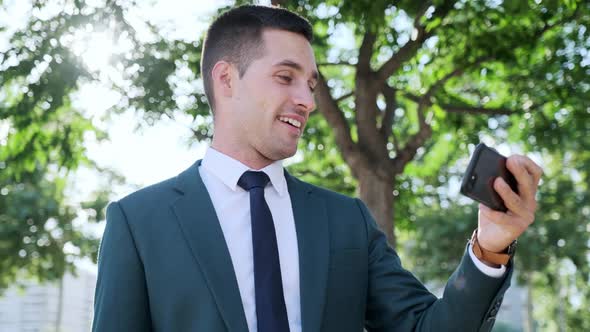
(37, 307)
(512, 316)
(513, 312)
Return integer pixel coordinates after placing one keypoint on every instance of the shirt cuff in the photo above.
(495, 272)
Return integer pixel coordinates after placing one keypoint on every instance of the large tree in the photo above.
(421, 80)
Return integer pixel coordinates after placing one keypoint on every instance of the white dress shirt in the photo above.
(220, 174)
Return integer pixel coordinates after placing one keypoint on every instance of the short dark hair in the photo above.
(236, 37)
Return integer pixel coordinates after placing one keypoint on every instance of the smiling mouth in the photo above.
(290, 121)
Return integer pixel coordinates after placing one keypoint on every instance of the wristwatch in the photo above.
(498, 258)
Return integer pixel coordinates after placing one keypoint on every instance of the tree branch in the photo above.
(408, 152)
(344, 96)
(328, 107)
(477, 109)
(413, 97)
(407, 51)
(366, 90)
(468, 109)
(395, 140)
(566, 19)
(340, 63)
(390, 105)
(366, 52)
(457, 72)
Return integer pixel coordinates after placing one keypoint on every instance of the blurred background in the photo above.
(99, 98)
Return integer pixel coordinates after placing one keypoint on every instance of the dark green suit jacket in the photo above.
(164, 266)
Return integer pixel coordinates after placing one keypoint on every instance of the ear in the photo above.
(222, 78)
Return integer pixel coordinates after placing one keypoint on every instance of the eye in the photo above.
(285, 79)
(312, 88)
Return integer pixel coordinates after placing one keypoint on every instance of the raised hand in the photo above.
(498, 229)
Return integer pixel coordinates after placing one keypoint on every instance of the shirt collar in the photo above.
(229, 170)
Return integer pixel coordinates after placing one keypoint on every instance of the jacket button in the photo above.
(495, 309)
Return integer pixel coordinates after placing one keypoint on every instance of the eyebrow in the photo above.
(296, 66)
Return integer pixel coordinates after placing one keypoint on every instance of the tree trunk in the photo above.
(377, 193)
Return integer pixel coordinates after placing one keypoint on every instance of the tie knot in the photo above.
(251, 179)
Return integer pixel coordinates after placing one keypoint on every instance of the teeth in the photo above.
(291, 121)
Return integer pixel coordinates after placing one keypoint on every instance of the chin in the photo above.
(290, 152)
(282, 154)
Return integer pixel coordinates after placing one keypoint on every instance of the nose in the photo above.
(304, 98)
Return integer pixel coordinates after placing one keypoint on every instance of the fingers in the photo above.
(497, 228)
(528, 175)
(535, 170)
(514, 202)
(518, 164)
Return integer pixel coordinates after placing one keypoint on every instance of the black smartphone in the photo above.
(485, 166)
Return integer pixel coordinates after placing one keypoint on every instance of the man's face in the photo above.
(273, 99)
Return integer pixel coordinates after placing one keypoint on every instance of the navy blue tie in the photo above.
(271, 312)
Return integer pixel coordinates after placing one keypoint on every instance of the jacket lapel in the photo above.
(200, 226)
(311, 224)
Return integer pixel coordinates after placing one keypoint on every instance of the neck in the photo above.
(247, 156)
(227, 142)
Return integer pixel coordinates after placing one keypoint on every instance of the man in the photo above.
(210, 250)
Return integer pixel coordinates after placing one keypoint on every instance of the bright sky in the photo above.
(157, 152)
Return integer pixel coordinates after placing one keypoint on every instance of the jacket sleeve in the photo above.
(398, 301)
(121, 299)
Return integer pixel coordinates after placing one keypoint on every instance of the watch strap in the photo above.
(501, 258)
